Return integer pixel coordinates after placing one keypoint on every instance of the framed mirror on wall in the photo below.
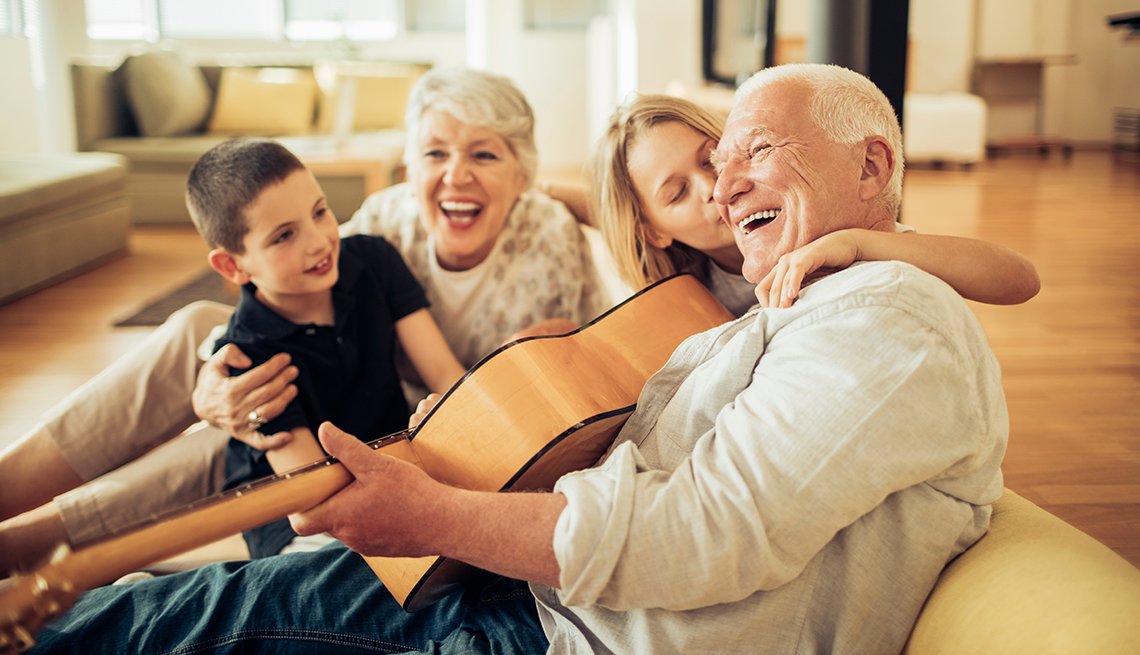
(738, 38)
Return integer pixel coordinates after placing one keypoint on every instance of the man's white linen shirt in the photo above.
(791, 482)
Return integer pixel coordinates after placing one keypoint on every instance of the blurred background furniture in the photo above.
(944, 128)
(1011, 70)
(161, 112)
(1032, 584)
(59, 216)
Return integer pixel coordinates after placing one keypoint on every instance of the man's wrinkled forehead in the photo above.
(747, 125)
(747, 121)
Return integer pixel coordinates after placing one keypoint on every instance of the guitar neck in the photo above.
(213, 518)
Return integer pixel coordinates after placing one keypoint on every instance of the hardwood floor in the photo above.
(1071, 356)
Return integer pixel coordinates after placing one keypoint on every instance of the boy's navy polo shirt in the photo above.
(346, 372)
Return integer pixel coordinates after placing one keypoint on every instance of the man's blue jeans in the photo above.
(327, 601)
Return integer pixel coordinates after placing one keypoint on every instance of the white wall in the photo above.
(941, 44)
(19, 126)
(1080, 98)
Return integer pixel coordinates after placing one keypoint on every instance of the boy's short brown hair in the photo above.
(227, 179)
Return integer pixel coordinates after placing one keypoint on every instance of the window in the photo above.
(340, 19)
(122, 19)
(435, 15)
(248, 19)
(301, 20)
(10, 23)
(560, 15)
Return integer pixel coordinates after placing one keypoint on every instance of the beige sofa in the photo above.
(59, 216)
(161, 112)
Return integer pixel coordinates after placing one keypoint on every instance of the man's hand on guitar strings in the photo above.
(389, 509)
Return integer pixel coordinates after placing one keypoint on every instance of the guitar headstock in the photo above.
(26, 603)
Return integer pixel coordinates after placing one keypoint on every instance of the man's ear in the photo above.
(655, 238)
(227, 266)
(878, 164)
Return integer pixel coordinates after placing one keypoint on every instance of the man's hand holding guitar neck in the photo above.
(394, 509)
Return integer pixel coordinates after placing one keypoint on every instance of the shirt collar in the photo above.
(258, 318)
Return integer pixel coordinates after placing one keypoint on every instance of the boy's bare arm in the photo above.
(301, 450)
(427, 349)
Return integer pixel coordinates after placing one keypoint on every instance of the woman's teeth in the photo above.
(460, 212)
(757, 220)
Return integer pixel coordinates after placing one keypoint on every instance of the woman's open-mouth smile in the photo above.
(460, 213)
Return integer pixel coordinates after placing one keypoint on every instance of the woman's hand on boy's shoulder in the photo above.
(241, 404)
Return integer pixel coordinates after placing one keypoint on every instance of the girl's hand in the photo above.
(781, 285)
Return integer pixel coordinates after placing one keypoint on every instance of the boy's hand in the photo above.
(229, 403)
(781, 285)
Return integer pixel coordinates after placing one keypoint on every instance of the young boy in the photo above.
(338, 307)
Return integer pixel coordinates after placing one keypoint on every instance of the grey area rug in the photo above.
(206, 286)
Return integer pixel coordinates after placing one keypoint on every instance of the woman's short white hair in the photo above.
(475, 98)
(847, 106)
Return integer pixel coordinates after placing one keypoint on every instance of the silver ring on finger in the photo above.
(255, 421)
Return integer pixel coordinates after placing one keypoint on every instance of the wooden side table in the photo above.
(1016, 82)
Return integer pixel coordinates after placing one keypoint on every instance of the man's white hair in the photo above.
(475, 98)
(847, 107)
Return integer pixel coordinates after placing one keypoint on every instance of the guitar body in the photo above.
(524, 416)
(539, 408)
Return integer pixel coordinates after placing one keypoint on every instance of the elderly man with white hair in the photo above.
(791, 482)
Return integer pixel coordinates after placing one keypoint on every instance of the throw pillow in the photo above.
(270, 101)
(378, 94)
(166, 94)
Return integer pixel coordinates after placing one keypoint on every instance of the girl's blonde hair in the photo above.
(616, 203)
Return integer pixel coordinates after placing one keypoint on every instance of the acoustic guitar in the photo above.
(525, 415)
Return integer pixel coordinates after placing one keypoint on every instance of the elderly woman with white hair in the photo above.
(497, 259)
(495, 256)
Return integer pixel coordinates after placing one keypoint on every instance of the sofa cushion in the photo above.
(182, 151)
(1032, 584)
(365, 96)
(29, 183)
(270, 101)
(166, 94)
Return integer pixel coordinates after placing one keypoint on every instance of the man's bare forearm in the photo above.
(511, 534)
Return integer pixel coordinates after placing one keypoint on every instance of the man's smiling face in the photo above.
(781, 183)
